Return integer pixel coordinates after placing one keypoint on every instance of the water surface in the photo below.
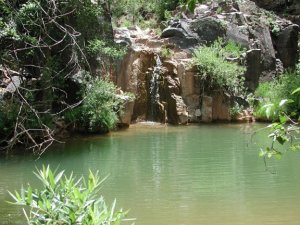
(191, 175)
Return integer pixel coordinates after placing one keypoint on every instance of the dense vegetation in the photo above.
(271, 95)
(216, 71)
(52, 50)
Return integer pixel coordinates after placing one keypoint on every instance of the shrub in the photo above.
(216, 72)
(101, 105)
(273, 94)
(66, 200)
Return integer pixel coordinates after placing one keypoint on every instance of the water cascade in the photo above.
(154, 89)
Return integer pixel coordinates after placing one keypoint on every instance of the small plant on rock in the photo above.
(166, 52)
(218, 73)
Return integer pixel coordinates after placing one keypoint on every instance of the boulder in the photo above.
(208, 29)
(174, 32)
(262, 40)
(286, 44)
(254, 69)
(180, 34)
(177, 110)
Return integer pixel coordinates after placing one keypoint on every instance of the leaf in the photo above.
(278, 155)
(281, 140)
(270, 154)
(29, 196)
(268, 108)
(296, 91)
(283, 119)
(262, 153)
(282, 102)
(58, 176)
(285, 101)
(15, 197)
(51, 178)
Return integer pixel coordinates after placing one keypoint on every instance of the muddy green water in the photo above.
(194, 175)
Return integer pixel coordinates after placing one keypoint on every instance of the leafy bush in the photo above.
(216, 72)
(101, 105)
(274, 94)
(67, 200)
(98, 47)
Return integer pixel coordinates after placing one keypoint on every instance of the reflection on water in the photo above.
(206, 174)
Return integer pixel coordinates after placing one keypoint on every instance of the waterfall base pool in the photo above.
(190, 175)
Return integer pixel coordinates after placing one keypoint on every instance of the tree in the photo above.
(43, 45)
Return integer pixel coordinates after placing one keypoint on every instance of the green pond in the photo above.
(189, 175)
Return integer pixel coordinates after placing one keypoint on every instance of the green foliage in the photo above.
(8, 115)
(166, 52)
(271, 21)
(284, 135)
(97, 47)
(235, 110)
(215, 71)
(281, 102)
(101, 105)
(273, 94)
(232, 49)
(67, 200)
(47, 42)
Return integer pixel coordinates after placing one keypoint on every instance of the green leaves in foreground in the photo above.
(67, 200)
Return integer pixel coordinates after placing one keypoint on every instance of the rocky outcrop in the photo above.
(254, 68)
(168, 88)
(289, 9)
(285, 44)
(289, 6)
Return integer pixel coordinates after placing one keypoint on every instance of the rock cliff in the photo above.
(158, 69)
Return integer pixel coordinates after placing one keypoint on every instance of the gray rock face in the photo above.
(174, 32)
(253, 62)
(289, 9)
(188, 33)
(179, 32)
(263, 41)
(286, 44)
(270, 4)
(290, 6)
(208, 29)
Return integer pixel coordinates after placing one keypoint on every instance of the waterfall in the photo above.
(154, 88)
